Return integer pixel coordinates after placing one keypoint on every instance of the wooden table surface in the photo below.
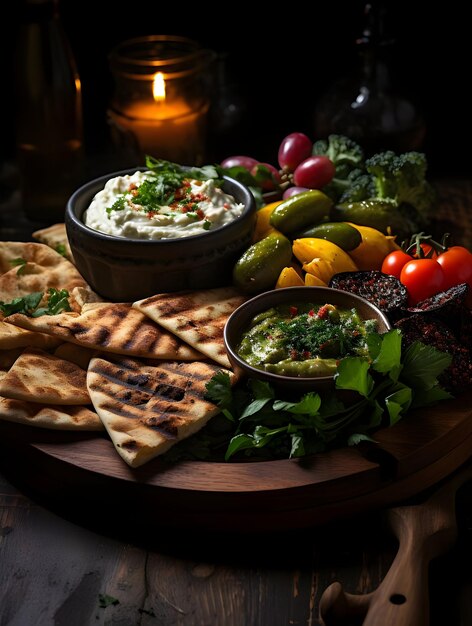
(57, 566)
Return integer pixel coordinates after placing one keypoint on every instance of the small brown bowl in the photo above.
(241, 318)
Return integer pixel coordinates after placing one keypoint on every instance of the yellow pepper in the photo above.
(313, 281)
(309, 248)
(263, 226)
(373, 249)
(289, 278)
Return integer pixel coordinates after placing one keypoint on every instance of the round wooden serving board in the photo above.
(84, 470)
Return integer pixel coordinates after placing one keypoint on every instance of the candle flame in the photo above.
(159, 87)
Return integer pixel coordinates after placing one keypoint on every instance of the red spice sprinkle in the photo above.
(132, 186)
(293, 310)
(307, 354)
(293, 354)
(323, 312)
(311, 313)
(200, 214)
(226, 205)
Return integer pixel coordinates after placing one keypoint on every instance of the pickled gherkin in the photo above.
(259, 267)
(301, 211)
(342, 234)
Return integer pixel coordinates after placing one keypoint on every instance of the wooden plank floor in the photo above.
(53, 571)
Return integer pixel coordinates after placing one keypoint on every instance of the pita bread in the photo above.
(43, 378)
(110, 327)
(14, 337)
(75, 354)
(55, 237)
(197, 317)
(147, 409)
(44, 269)
(8, 357)
(84, 295)
(54, 417)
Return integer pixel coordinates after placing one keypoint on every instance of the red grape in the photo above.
(314, 172)
(293, 150)
(292, 191)
(268, 181)
(239, 161)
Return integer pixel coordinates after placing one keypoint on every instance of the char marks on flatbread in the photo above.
(55, 417)
(115, 328)
(147, 409)
(37, 376)
(44, 269)
(197, 317)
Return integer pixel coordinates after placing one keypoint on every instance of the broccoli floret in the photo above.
(402, 178)
(361, 188)
(348, 159)
(340, 150)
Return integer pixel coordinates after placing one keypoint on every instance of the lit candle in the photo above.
(164, 127)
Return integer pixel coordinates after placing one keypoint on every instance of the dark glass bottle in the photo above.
(367, 105)
(49, 113)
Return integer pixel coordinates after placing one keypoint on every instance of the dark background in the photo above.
(280, 61)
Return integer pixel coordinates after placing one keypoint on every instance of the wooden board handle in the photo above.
(402, 599)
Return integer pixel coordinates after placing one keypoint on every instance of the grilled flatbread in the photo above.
(8, 357)
(43, 378)
(197, 317)
(55, 237)
(15, 337)
(75, 354)
(54, 416)
(147, 409)
(44, 269)
(110, 327)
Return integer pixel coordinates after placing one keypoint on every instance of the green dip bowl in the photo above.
(241, 318)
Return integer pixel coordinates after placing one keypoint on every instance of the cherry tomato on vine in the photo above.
(422, 278)
(456, 264)
(394, 262)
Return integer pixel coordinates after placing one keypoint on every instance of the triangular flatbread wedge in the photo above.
(44, 269)
(75, 354)
(197, 317)
(37, 376)
(111, 327)
(147, 409)
(55, 237)
(8, 357)
(55, 417)
(15, 337)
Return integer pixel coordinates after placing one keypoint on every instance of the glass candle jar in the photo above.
(161, 98)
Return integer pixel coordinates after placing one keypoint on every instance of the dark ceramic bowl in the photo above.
(123, 269)
(241, 318)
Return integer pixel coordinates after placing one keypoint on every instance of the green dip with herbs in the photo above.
(304, 339)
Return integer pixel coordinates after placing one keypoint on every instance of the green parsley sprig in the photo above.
(159, 190)
(57, 301)
(385, 387)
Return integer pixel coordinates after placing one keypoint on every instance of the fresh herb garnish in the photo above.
(246, 178)
(20, 263)
(206, 225)
(388, 384)
(57, 301)
(118, 205)
(159, 190)
(61, 249)
(26, 304)
(104, 600)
